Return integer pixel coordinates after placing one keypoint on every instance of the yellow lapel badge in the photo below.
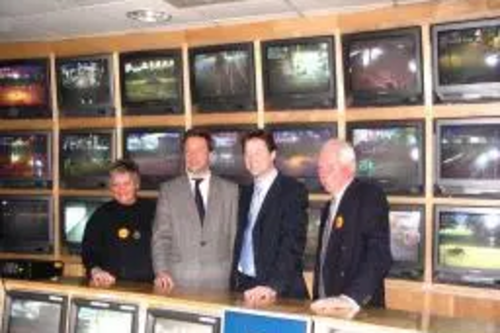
(339, 222)
(123, 233)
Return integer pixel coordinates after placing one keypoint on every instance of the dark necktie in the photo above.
(199, 199)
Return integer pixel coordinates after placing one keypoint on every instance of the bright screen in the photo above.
(23, 84)
(406, 236)
(227, 156)
(103, 320)
(30, 315)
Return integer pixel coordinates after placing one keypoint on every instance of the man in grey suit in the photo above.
(195, 223)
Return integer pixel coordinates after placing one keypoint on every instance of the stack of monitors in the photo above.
(298, 149)
(75, 214)
(299, 73)
(24, 89)
(240, 320)
(383, 67)
(390, 154)
(96, 316)
(85, 157)
(468, 157)
(151, 82)
(26, 159)
(407, 241)
(157, 152)
(34, 312)
(26, 224)
(85, 86)
(222, 77)
(163, 321)
(467, 245)
(466, 61)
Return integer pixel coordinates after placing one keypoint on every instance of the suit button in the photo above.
(203, 243)
(343, 248)
(342, 274)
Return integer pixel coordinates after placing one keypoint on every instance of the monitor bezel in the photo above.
(232, 103)
(457, 186)
(33, 182)
(35, 296)
(417, 189)
(292, 100)
(184, 316)
(105, 109)
(45, 247)
(153, 106)
(149, 182)
(28, 112)
(403, 97)
(462, 93)
(87, 182)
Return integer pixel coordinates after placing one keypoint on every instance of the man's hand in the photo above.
(259, 296)
(164, 282)
(340, 306)
(101, 278)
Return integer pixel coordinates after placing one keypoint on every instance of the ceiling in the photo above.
(29, 20)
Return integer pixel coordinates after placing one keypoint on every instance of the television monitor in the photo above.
(26, 224)
(466, 61)
(25, 89)
(299, 73)
(34, 312)
(151, 82)
(298, 149)
(75, 213)
(407, 241)
(162, 321)
(99, 316)
(222, 77)
(467, 245)
(85, 86)
(26, 159)
(314, 214)
(390, 153)
(85, 157)
(157, 152)
(468, 156)
(383, 67)
(242, 320)
(226, 159)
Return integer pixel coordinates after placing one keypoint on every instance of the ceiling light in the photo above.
(149, 16)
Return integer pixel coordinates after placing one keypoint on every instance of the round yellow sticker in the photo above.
(123, 233)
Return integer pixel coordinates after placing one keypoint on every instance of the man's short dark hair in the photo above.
(263, 135)
(198, 133)
(124, 166)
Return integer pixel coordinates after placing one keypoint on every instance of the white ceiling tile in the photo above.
(26, 7)
(306, 6)
(249, 8)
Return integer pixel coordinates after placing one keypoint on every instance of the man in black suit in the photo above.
(353, 250)
(271, 235)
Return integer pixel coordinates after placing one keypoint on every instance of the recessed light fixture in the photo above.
(149, 16)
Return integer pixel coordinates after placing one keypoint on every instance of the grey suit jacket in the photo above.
(196, 257)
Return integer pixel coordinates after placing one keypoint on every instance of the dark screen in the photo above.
(227, 156)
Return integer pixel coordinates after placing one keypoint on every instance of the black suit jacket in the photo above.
(279, 236)
(358, 256)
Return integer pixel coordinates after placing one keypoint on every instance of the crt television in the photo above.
(26, 224)
(383, 67)
(222, 77)
(407, 241)
(299, 73)
(151, 82)
(467, 156)
(93, 315)
(466, 61)
(157, 152)
(390, 153)
(26, 311)
(75, 213)
(25, 89)
(467, 245)
(85, 157)
(162, 321)
(26, 159)
(85, 86)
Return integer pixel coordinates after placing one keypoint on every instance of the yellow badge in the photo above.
(123, 233)
(339, 222)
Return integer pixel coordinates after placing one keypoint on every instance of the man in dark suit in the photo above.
(271, 233)
(353, 250)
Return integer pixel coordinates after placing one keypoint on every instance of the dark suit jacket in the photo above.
(279, 236)
(358, 256)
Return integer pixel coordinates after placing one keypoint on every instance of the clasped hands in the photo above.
(338, 306)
